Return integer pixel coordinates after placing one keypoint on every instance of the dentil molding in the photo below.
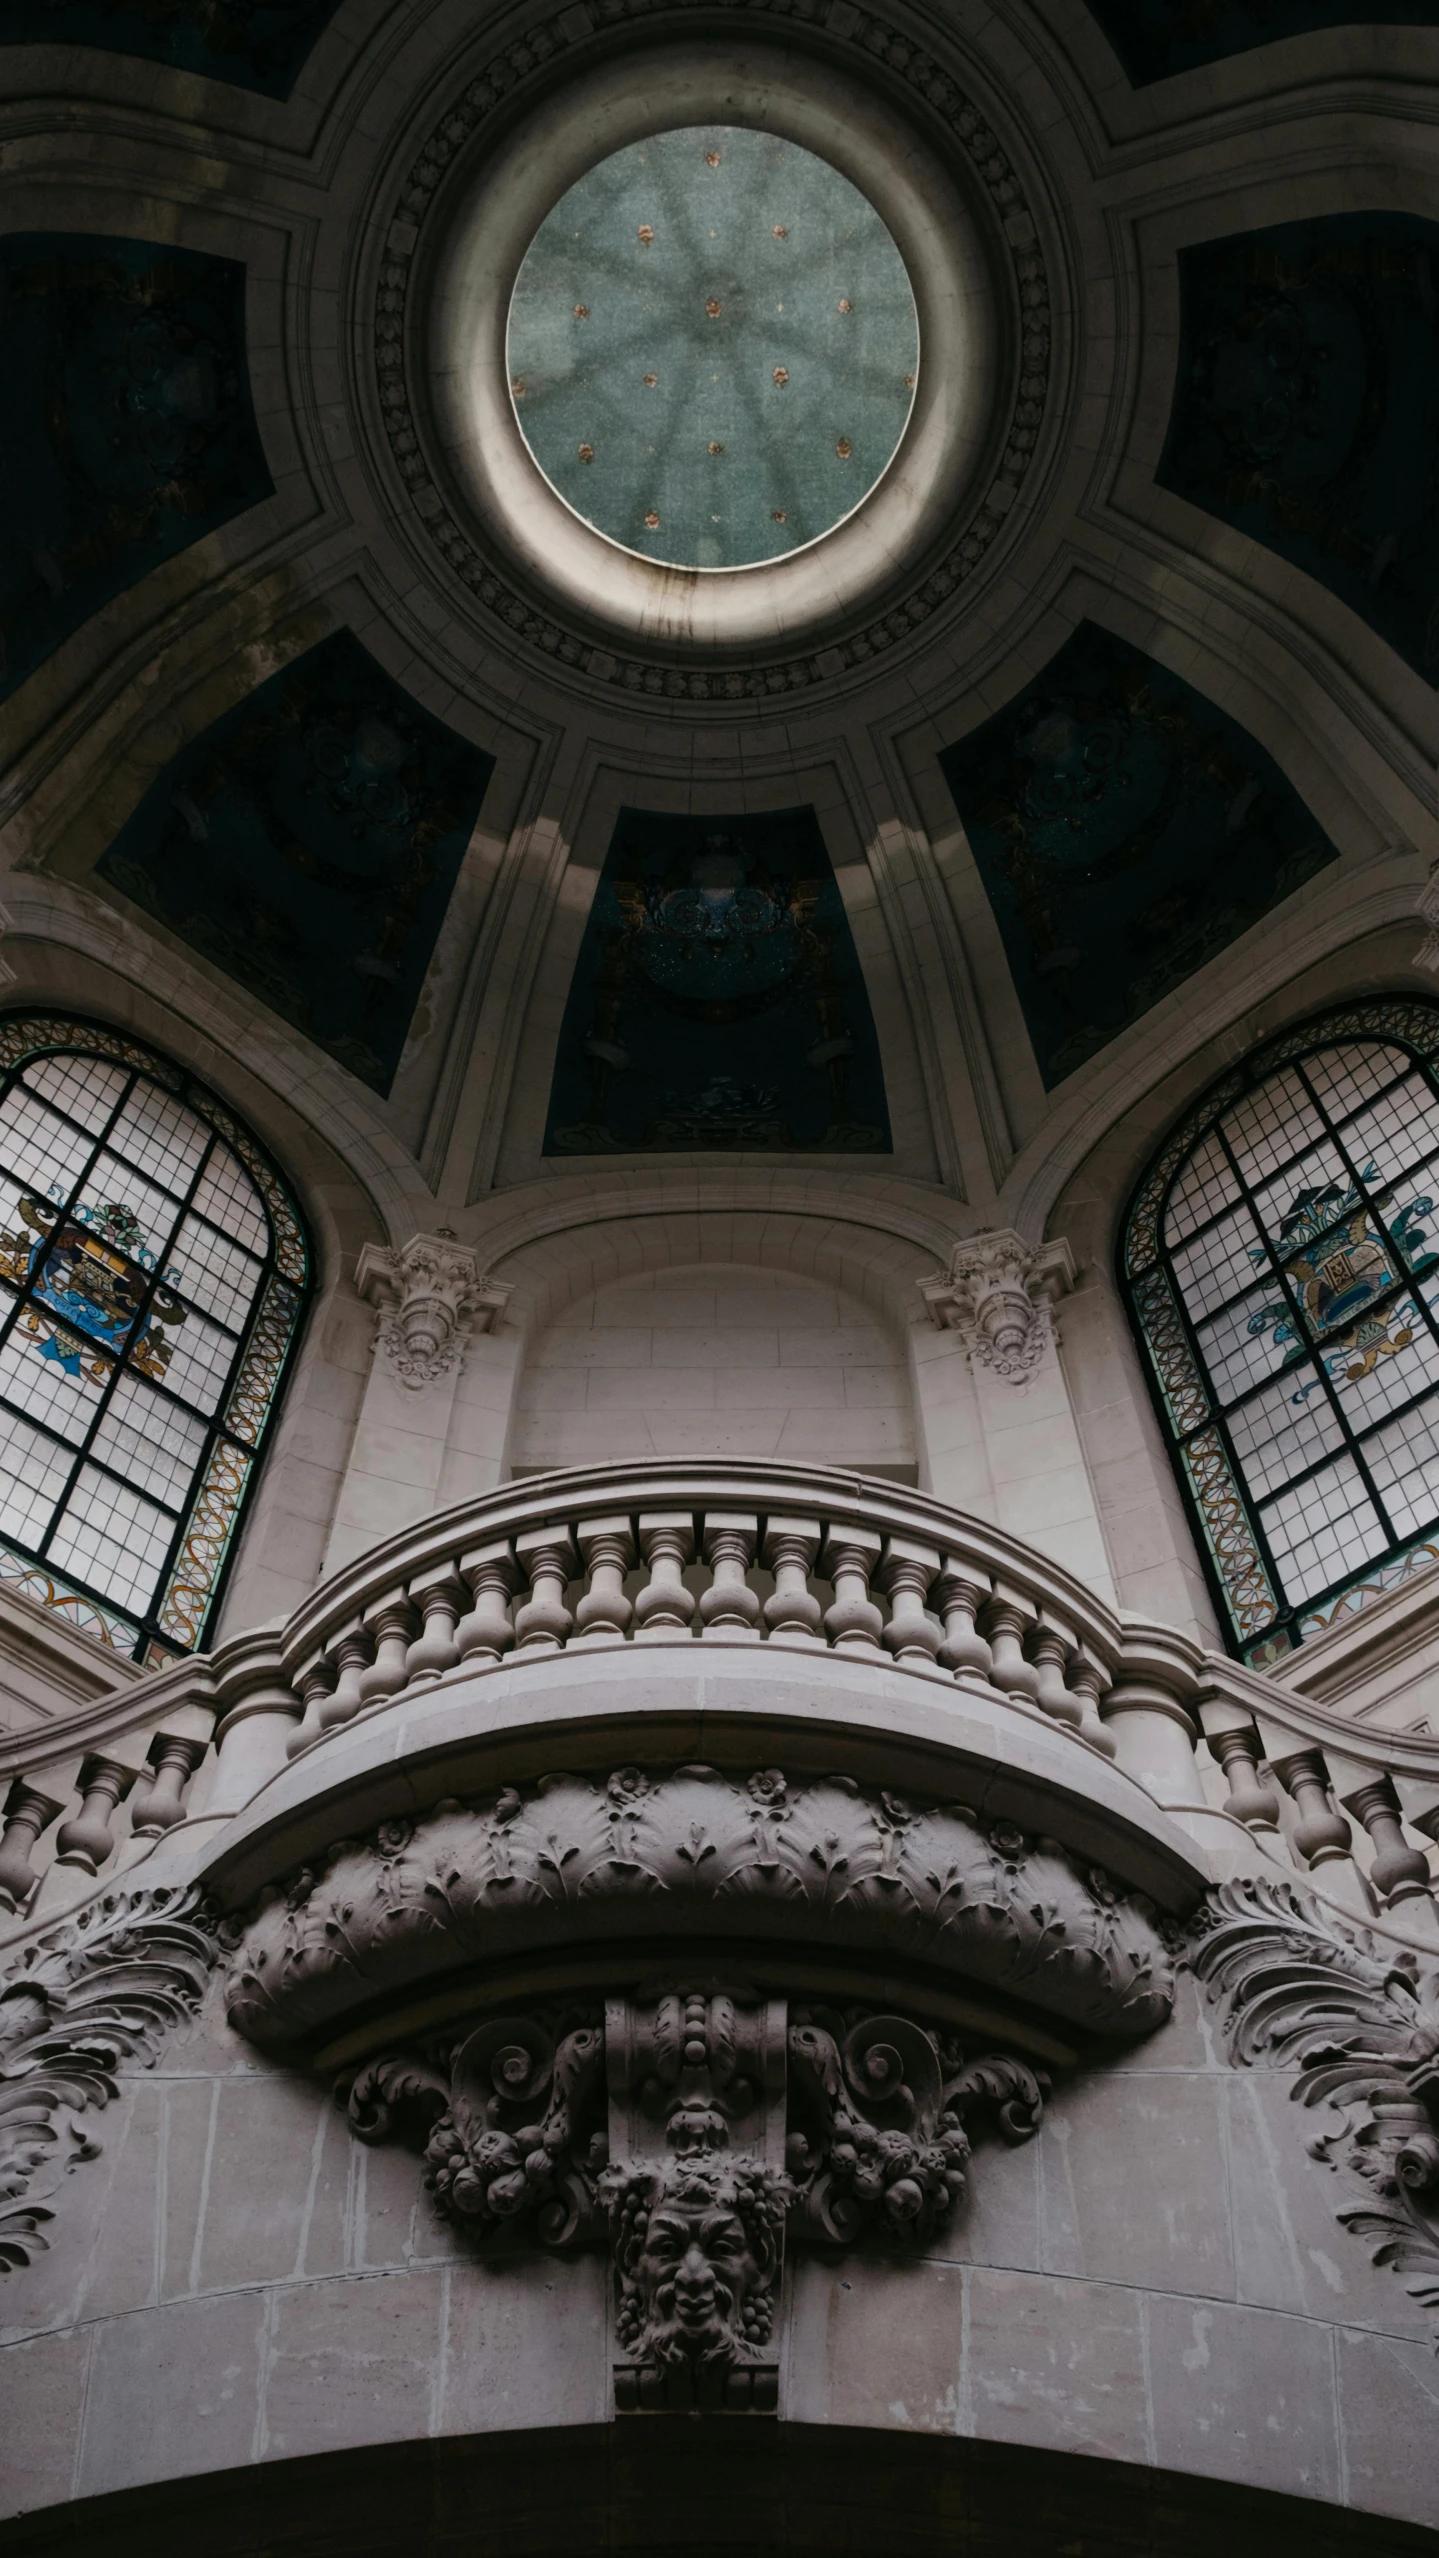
(999, 1292)
(431, 1295)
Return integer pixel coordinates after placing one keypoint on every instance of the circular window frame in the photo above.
(962, 401)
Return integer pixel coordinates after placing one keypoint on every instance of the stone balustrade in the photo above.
(777, 1559)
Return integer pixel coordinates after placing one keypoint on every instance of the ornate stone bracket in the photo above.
(430, 1295)
(687, 2132)
(103, 1988)
(999, 1292)
(1360, 2022)
(708, 1856)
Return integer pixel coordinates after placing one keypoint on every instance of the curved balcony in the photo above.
(725, 1612)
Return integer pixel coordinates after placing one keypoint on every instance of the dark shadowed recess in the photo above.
(1126, 830)
(1306, 408)
(126, 424)
(1154, 38)
(253, 44)
(704, 2486)
(718, 1000)
(307, 844)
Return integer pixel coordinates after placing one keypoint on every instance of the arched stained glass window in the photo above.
(153, 1275)
(1281, 1262)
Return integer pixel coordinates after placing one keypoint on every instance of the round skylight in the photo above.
(713, 347)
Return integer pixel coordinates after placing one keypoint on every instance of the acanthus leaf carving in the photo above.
(431, 1295)
(1358, 2020)
(709, 1854)
(100, 1989)
(998, 1292)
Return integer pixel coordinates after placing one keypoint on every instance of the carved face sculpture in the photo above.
(697, 2254)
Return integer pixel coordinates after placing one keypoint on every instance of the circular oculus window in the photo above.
(713, 348)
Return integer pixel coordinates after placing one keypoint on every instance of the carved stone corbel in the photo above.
(998, 1292)
(104, 1987)
(1359, 2020)
(430, 1295)
(688, 2135)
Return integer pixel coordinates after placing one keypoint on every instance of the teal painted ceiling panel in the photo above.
(718, 1001)
(1306, 408)
(1126, 829)
(713, 347)
(126, 424)
(307, 844)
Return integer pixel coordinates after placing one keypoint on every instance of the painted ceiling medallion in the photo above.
(800, 285)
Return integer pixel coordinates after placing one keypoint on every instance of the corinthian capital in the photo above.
(997, 1291)
(431, 1295)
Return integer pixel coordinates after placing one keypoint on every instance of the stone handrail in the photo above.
(729, 1553)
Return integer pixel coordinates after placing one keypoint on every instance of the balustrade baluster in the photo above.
(609, 1549)
(391, 1624)
(1398, 1871)
(486, 1632)
(158, 1802)
(665, 1607)
(1008, 1615)
(907, 1573)
(792, 1611)
(87, 1839)
(548, 1556)
(29, 1811)
(316, 1683)
(729, 1608)
(1251, 1799)
(1321, 1833)
(439, 1596)
(851, 1559)
(960, 1593)
(350, 1652)
(1088, 1682)
(1049, 1649)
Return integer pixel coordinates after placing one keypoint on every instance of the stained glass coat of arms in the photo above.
(153, 1276)
(1281, 1259)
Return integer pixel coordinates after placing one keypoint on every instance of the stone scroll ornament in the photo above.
(1357, 2017)
(686, 2132)
(99, 1990)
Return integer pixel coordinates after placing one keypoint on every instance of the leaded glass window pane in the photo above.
(1281, 1258)
(153, 1277)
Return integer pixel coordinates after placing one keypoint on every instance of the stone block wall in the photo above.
(1157, 2280)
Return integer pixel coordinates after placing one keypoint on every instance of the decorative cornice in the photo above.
(103, 1988)
(430, 1295)
(501, 88)
(998, 1291)
(688, 2131)
(704, 1855)
(1359, 2021)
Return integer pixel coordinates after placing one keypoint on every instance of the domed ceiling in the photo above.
(665, 544)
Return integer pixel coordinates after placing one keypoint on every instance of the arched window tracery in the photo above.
(154, 1272)
(1280, 1259)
